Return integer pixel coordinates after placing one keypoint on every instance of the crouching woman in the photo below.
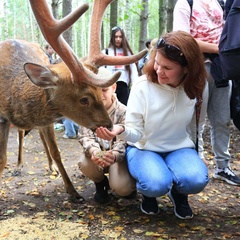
(161, 155)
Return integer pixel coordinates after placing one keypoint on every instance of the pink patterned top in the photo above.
(206, 22)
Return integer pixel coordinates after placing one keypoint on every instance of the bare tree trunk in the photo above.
(170, 15)
(129, 30)
(66, 9)
(143, 25)
(113, 14)
(54, 5)
(161, 10)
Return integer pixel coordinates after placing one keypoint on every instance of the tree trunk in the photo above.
(66, 9)
(54, 5)
(162, 15)
(143, 25)
(113, 14)
(170, 15)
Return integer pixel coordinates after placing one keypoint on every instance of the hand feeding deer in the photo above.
(70, 88)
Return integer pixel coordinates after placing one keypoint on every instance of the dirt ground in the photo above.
(34, 205)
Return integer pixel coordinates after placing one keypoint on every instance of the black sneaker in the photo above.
(227, 175)
(149, 205)
(182, 209)
(101, 196)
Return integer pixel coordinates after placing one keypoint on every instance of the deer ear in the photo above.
(40, 76)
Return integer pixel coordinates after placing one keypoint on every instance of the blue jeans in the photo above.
(155, 173)
(71, 128)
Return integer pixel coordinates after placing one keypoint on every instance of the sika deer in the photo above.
(69, 89)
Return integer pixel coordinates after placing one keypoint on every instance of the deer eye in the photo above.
(84, 101)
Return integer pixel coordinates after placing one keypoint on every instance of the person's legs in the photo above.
(120, 180)
(70, 131)
(190, 176)
(220, 120)
(93, 172)
(153, 178)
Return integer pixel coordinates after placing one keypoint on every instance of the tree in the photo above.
(170, 7)
(66, 9)
(143, 25)
(55, 12)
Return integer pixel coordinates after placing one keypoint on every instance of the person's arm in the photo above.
(207, 47)
(181, 16)
(88, 141)
(181, 21)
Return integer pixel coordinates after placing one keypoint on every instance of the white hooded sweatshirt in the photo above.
(157, 117)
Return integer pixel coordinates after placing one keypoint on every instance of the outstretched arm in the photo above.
(104, 133)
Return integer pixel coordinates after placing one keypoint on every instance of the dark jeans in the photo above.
(122, 92)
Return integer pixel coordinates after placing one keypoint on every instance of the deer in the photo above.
(34, 94)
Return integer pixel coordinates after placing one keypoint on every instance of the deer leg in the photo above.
(21, 134)
(51, 163)
(49, 136)
(4, 133)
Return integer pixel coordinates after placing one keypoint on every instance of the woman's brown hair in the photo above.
(125, 46)
(195, 77)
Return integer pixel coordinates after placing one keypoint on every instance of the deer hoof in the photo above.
(77, 199)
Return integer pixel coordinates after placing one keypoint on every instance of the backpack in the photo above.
(229, 44)
(190, 2)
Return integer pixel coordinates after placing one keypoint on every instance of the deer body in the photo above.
(40, 95)
(27, 106)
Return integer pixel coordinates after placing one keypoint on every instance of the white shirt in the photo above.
(124, 76)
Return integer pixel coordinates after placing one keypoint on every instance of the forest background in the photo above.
(141, 20)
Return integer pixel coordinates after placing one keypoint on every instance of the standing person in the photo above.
(71, 128)
(119, 46)
(102, 156)
(49, 52)
(161, 155)
(143, 60)
(204, 21)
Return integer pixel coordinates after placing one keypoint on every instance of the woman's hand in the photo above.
(104, 133)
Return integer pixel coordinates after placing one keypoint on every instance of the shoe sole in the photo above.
(175, 212)
(225, 179)
(148, 213)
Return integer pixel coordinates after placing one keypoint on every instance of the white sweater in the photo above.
(124, 76)
(157, 117)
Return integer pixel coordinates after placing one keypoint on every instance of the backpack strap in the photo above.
(190, 2)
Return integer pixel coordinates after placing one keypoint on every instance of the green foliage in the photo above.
(17, 21)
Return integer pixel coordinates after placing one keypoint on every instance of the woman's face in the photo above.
(168, 72)
(118, 39)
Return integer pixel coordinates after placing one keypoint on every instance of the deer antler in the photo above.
(96, 58)
(52, 30)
